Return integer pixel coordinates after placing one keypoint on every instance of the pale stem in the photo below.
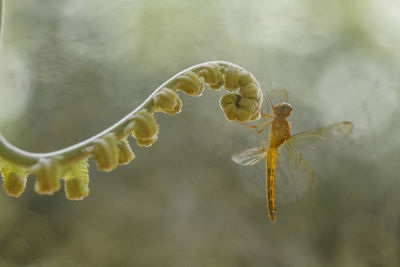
(82, 150)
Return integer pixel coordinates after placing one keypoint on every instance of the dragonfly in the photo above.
(280, 136)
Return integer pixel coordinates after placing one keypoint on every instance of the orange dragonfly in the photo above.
(280, 136)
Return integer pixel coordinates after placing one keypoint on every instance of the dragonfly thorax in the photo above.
(282, 110)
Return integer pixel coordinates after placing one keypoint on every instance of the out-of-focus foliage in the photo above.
(69, 69)
(1, 19)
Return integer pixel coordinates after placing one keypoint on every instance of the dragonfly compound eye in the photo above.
(285, 108)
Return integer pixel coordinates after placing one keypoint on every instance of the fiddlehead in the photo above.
(111, 148)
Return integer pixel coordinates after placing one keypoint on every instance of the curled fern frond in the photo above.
(238, 108)
(125, 152)
(14, 178)
(167, 101)
(145, 129)
(106, 153)
(250, 91)
(47, 172)
(190, 84)
(110, 148)
(77, 180)
(212, 76)
(232, 79)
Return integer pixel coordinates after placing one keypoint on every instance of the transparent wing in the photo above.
(294, 175)
(339, 129)
(293, 178)
(250, 156)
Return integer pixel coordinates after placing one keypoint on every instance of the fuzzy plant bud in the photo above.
(14, 184)
(47, 173)
(145, 128)
(251, 90)
(76, 189)
(231, 78)
(212, 76)
(228, 104)
(189, 83)
(14, 178)
(105, 152)
(76, 180)
(237, 108)
(125, 152)
(245, 78)
(167, 101)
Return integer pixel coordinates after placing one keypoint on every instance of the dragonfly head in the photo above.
(283, 110)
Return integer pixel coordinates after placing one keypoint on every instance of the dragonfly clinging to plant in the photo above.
(280, 136)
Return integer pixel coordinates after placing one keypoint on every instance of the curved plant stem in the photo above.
(82, 150)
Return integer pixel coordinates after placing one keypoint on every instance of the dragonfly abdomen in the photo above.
(272, 157)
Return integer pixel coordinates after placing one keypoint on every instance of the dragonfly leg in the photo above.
(263, 128)
(264, 115)
(253, 127)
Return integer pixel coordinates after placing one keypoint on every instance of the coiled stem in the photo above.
(110, 147)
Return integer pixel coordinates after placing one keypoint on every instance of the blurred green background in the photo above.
(69, 69)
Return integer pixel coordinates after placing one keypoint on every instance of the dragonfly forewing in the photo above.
(339, 129)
